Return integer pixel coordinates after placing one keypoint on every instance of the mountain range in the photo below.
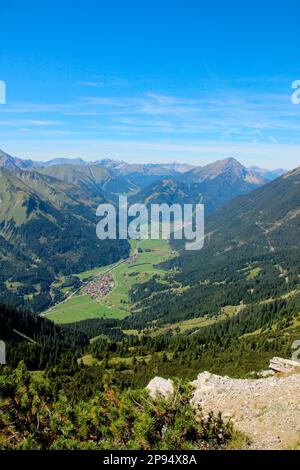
(214, 185)
(47, 212)
(140, 174)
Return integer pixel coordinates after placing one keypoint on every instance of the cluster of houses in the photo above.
(100, 287)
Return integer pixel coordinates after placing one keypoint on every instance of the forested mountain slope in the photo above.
(251, 253)
(36, 340)
(47, 227)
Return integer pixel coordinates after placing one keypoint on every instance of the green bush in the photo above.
(31, 417)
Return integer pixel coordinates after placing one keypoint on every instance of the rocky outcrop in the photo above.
(265, 409)
(160, 387)
(277, 364)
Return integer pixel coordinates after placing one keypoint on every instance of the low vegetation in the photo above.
(33, 417)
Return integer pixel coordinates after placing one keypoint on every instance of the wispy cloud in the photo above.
(105, 81)
(233, 121)
(29, 122)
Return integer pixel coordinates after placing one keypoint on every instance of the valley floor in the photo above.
(140, 267)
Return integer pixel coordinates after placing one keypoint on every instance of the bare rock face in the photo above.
(160, 387)
(277, 364)
(204, 381)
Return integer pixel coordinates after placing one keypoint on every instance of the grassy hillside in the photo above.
(107, 178)
(95, 179)
(85, 177)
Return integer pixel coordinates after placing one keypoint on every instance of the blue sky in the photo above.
(150, 81)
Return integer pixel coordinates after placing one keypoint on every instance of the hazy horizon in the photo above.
(128, 161)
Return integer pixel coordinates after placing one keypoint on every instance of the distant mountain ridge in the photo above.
(268, 175)
(108, 163)
(214, 185)
(108, 176)
(123, 168)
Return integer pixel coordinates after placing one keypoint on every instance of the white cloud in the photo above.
(247, 124)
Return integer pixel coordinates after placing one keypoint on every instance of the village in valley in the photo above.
(100, 287)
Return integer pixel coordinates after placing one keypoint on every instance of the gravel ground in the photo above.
(266, 410)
